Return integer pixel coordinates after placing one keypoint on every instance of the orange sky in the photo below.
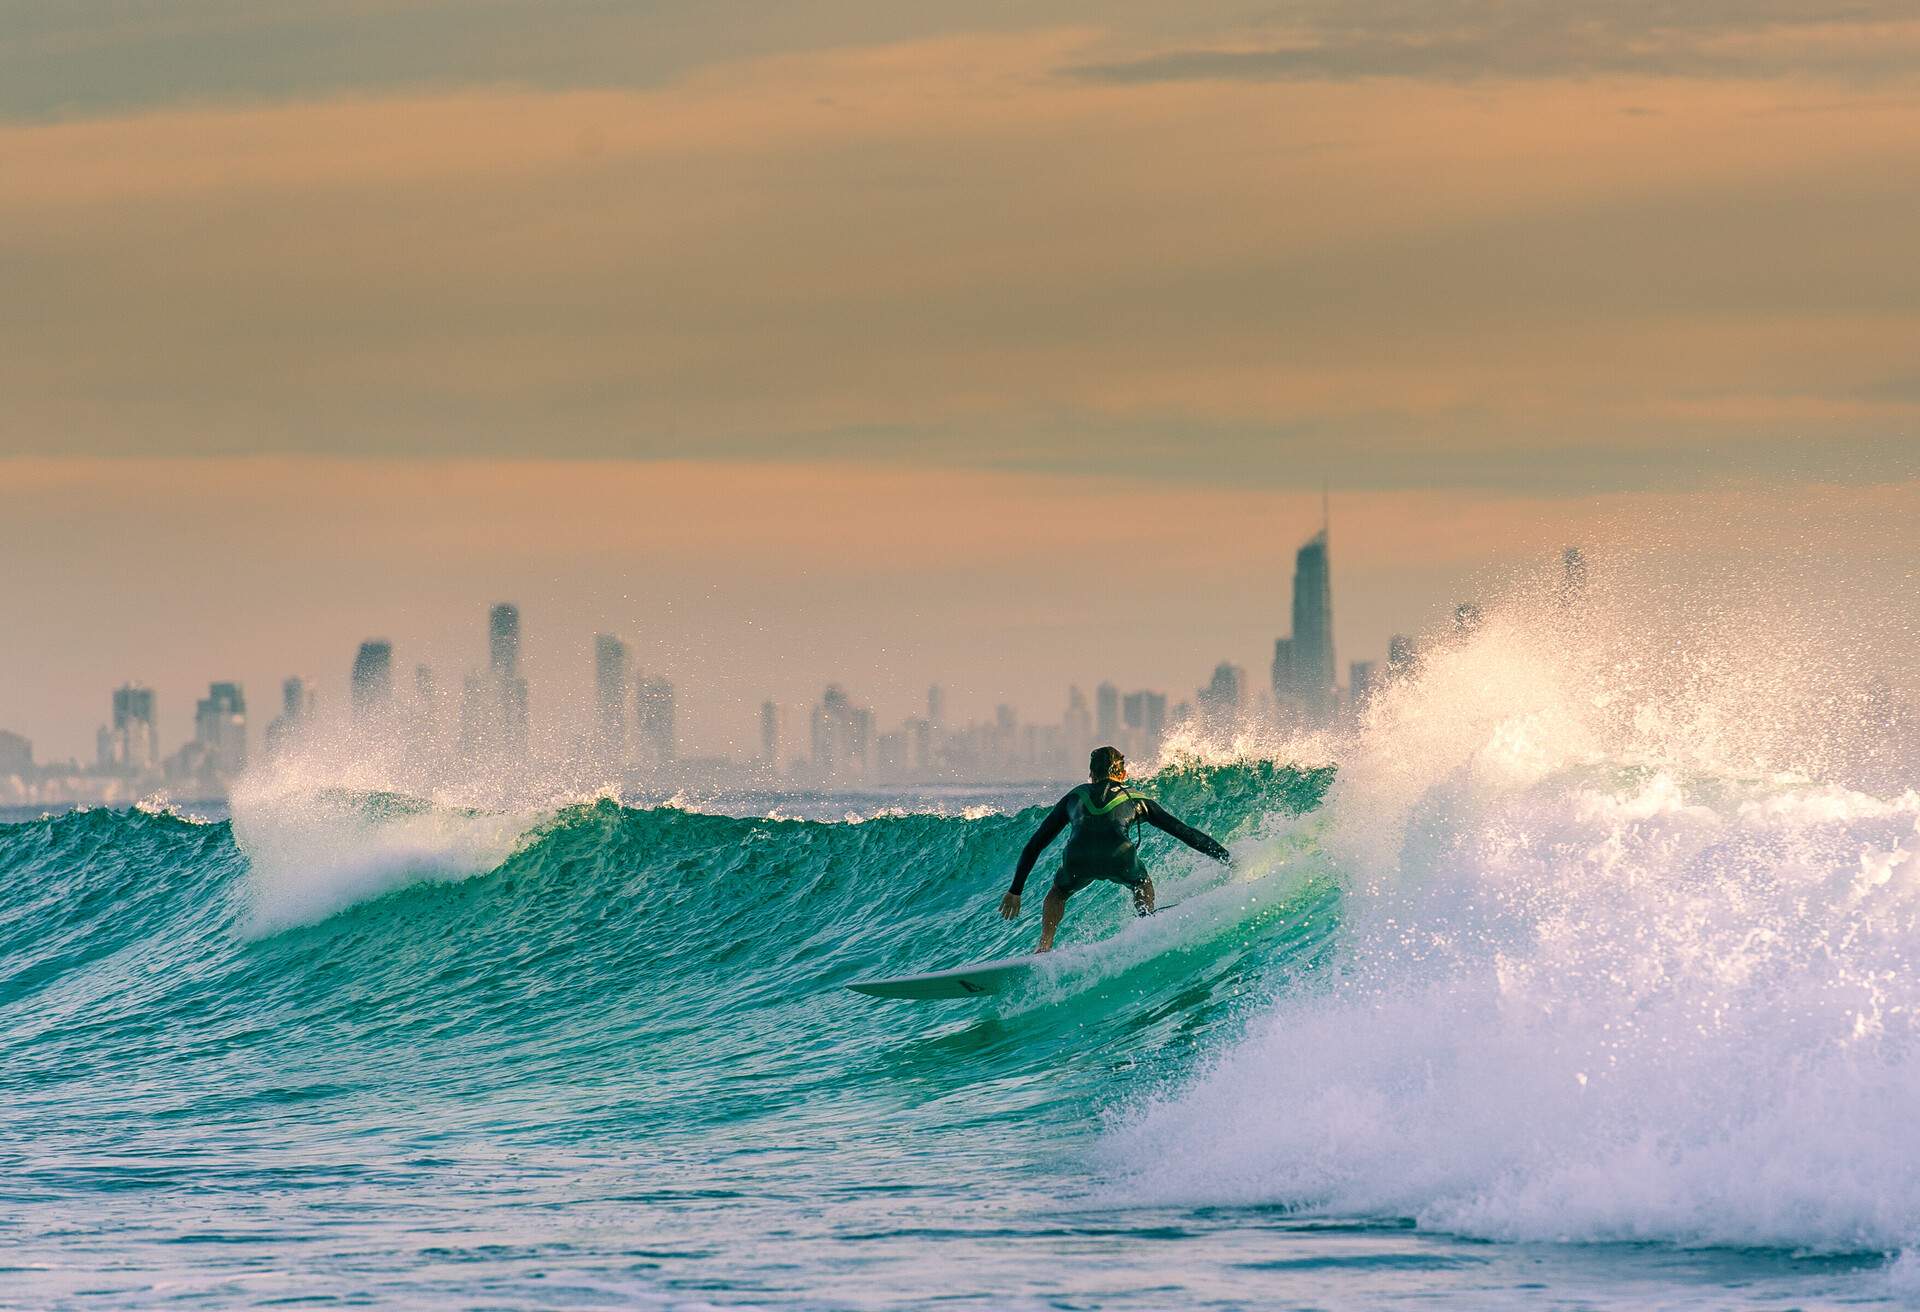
(853, 326)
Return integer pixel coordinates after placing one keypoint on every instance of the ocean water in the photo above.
(1574, 977)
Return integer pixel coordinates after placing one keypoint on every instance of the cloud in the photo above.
(941, 251)
(1475, 41)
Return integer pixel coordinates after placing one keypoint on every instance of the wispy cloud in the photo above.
(1478, 41)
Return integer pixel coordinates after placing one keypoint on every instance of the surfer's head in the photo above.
(1107, 763)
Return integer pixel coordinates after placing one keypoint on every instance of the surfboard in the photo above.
(974, 981)
(977, 980)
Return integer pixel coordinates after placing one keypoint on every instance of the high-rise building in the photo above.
(1281, 677)
(296, 707)
(372, 694)
(1077, 725)
(134, 742)
(1310, 654)
(936, 706)
(1146, 719)
(610, 696)
(508, 730)
(1220, 701)
(770, 735)
(1106, 715)
(220, 729)
(503, 639)
(16, 755)
(654, 721)
(841, 735)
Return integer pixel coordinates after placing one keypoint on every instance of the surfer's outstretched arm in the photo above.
(1168, 823)
(1048, 831)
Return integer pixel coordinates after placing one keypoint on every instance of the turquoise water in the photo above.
(353, 1047)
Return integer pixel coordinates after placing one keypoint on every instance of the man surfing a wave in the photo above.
(1103, 815)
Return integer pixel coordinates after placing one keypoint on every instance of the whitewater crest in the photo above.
(1630, 950)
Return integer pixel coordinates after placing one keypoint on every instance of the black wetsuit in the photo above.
(1103, 817)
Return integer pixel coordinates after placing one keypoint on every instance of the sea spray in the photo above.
(1630, 950)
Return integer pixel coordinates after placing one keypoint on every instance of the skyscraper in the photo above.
(1310, 655)
(1281, 677)
(509, 709)
(1077, 724)
(16, 755)
(372, 693)
(1220, 701)
(841, 733)
(610, 695)
(654, 721)
(503, 639)
(1146, 718)
(134, 743)
(936, 706)
(296, 704)
(220, 729)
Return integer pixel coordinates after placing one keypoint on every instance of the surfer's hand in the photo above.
(1010, 906)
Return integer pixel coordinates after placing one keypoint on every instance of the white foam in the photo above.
(1619, 962)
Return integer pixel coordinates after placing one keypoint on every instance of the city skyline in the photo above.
(701, 573)
(635, 722)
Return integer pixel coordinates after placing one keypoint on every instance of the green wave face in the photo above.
(626, 982)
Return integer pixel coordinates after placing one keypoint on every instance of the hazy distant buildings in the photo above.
(770, 735)
(132, 745)
(129, 743)
(841, 735)
(1076, 726)
(1303, 664)
(220, 731)
(371, 696)
(16, 755)
(610, 659)
(508, 727)
(1145, 716)
(286, 729)
(1221, 701)
(654, 727)
(936, 705)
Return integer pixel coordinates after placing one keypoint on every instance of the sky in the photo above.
(1007, 346)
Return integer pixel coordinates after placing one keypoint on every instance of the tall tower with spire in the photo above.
(1303, 666)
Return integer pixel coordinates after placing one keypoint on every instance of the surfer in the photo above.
(1103, 815)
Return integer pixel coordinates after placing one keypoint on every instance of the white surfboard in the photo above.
(976, 980)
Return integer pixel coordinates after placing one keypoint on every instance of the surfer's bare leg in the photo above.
(1050, 912)
(1143, 898)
